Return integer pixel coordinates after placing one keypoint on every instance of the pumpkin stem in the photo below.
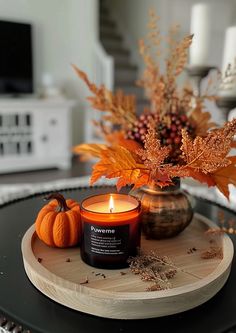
(62, 206)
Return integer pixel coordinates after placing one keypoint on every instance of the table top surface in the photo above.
(22, 302)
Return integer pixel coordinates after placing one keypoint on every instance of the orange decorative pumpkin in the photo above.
(58, 222)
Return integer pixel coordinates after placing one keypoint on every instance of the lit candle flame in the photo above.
(111, 204)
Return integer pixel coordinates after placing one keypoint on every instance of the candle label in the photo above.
(106, 240)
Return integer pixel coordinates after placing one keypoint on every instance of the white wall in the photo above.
(132, 18)
(64, 32)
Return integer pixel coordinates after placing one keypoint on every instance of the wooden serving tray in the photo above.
(60, 274)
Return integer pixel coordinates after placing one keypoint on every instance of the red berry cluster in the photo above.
(140, 128)
(169, 133)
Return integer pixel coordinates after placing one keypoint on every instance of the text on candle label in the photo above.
(106, 241)
(103, 231)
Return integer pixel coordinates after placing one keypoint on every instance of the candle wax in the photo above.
(103, 206)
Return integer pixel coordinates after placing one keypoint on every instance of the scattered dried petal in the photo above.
(155, 287)
(191, 250)
(85, 281)
(213, 252)
(214, 232)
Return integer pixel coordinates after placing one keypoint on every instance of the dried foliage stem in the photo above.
(121, 107)
(172, 265)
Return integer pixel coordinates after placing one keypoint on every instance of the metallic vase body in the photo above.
(165, 211)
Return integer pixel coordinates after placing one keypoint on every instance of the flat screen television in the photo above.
(16, 58)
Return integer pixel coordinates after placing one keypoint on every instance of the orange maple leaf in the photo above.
(153, 154)
(89, 150)
(208, 154)
(185, 171)
(118, 138)
(131, 145)
(233, 144)
(113, 137)
(225, 176)
(201, 177)
(202, 120)
(119, 162)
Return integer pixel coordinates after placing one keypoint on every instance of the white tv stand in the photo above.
(34, 134)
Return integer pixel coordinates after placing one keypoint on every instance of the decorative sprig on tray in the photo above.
(174, 137)
(154, 268)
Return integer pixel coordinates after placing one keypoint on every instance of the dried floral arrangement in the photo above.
(174, 137)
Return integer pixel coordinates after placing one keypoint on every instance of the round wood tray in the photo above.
(61, 275)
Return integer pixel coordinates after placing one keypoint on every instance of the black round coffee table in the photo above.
(22, 303)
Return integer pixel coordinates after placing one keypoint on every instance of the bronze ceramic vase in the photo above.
(165, 211)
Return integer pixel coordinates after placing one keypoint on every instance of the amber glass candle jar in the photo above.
(110, 230)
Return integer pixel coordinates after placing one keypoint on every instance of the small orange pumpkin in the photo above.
(58, 222)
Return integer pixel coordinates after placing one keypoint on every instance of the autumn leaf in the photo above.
(208, 154)
(201, 120)
(225, 176)
(185, 171)
(142, 179)
(88, 151)
(201, 177)
(117, 161)
(233, 144)
(131, 145)
(117, 138)
(113, 137)
(153, 156)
